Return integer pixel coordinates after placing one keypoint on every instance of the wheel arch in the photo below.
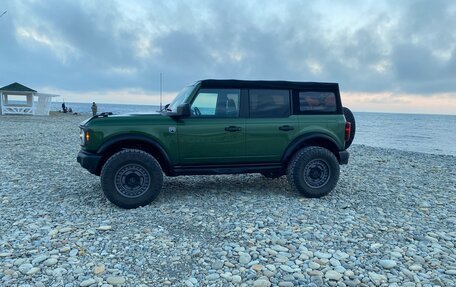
(313, 139)
(140, 142)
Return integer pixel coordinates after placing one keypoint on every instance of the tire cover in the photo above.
(350, 118)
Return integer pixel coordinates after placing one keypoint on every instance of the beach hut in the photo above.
(17, 99)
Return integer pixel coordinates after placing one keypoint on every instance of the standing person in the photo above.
(94, 108)
(63, 107)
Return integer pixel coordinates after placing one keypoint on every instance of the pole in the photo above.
(161, 84)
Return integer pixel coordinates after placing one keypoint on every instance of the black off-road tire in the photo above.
(131, 178)
(313, 171)
(350, 118)
(271, 174)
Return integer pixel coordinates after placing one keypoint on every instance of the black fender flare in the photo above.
(137, 138)
(312, 139)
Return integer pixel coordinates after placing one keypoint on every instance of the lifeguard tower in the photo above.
(17, 99)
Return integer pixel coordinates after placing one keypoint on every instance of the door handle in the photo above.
(232, 129)
(286, 128)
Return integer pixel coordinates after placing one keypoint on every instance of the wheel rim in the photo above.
(316, 173)
(132, 180)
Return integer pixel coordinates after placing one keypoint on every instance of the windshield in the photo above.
(180, 98)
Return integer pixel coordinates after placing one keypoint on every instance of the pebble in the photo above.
(244, 258)
(105, 227)
(387, 264)
(88, 282)
(99, 269)
(333, 275)
(24, 268)
(115, 280)
(236, 279)
(286, 268)
(415, 267)
(50, 262)
(212, 277)
(323, 255)
(261, 283)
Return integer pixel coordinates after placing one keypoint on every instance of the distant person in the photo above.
(63, 107)
(70, 110)
(94, 108)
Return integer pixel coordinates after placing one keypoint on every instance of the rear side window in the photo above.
(317, 101)
(269, 103)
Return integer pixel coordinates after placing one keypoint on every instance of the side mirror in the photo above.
(183, 110)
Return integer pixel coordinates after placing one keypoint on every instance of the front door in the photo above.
(214, 133)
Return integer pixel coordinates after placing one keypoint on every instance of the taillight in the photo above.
(348, 126)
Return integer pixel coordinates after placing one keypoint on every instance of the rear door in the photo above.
(270, 126)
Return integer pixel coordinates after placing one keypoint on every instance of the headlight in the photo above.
(84, 137)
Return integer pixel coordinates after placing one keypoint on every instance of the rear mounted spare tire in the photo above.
(349, 117)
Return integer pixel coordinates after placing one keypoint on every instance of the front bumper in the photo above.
(89, 161)
(343, 157)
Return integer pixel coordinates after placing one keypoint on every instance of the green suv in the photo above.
(274, 128)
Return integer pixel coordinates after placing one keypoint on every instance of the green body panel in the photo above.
(265, 142)
(205, 141)
(332, 126)
(155, 127)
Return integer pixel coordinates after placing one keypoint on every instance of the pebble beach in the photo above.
(391, 221)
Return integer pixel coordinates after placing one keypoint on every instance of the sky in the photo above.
(387, 56)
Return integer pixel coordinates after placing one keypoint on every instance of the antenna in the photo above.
(161, 84)
(3, 13)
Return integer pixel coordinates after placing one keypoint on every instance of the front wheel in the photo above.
(131, 178)
(313, 171)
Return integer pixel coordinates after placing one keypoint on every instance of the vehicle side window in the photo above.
(317, 101)
(223, 103)
(269, 103)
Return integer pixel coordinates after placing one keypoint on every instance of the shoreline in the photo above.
(389, 222)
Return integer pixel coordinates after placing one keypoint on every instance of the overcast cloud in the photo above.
(366, 46)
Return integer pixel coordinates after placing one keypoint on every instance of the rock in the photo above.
(33, 270)
(261, 283)
(104, 227)
(24, 268)
(88, 282)
(387, 264)
(257, 267)
(244, 258)
(50, 262)
(333, 275)
(323, 255)
(212, 277)
(115, 280)
(218, 264)
(314, 265)
(6, 254)
(415, 267)
(74, 252)
(39, 259)
(377, 278)
(236, 279)
(339, 255)
(450, 272)
(334, 262)
(286, 268)
(98, 269)
(65, 229)
(279, 248)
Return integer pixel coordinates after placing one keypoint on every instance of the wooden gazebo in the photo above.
(17, 99)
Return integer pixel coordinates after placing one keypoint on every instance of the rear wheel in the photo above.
(350, 118)
(313, 171)
(131, 178)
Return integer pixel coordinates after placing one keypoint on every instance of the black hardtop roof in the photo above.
(260, 84)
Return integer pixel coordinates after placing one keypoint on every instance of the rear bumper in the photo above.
(89, 161)
(343, 157)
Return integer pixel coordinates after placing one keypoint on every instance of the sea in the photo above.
(433, 134)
